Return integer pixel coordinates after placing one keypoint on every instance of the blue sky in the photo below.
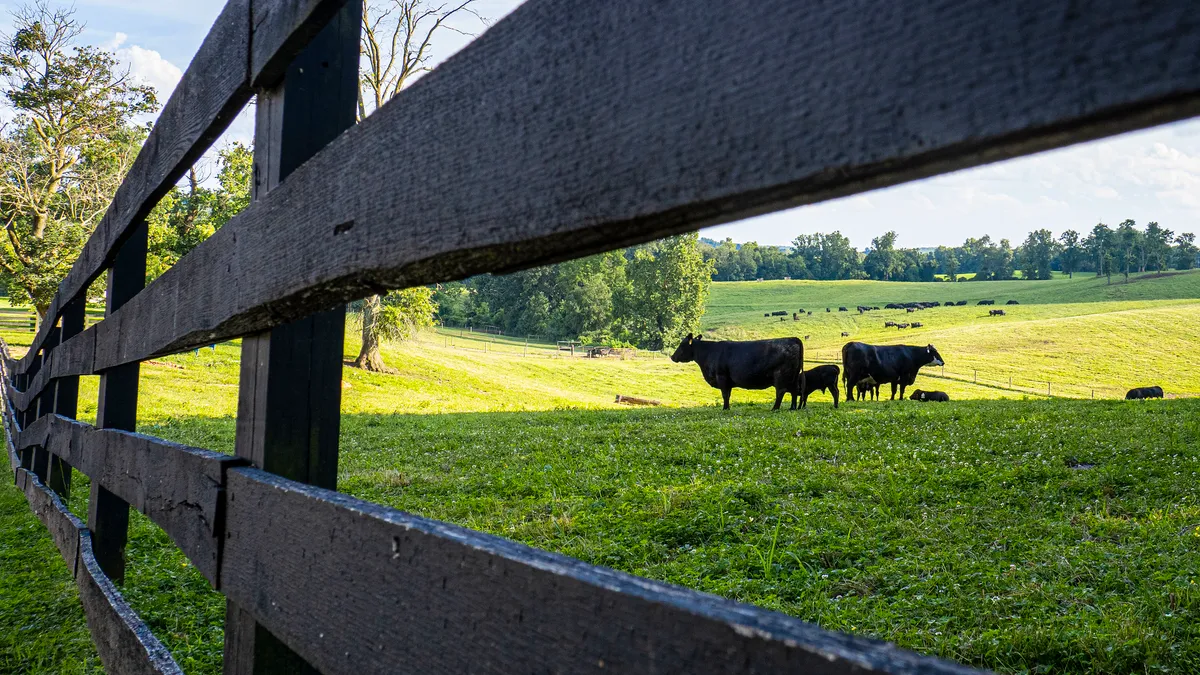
(1147, 175)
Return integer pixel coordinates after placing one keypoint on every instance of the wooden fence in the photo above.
(569, 128)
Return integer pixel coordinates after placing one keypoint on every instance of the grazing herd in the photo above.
(779, 363)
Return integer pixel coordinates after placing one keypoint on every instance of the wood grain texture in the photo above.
(359, 588)
(588, 146)
(124, 642)
(63, 526)
(176, 486)
(212, 92)
(282, 29)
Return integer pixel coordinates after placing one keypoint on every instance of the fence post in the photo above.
(41, 404)
(1047, 388)
(108, 514)
(66, 395)
(289, 394)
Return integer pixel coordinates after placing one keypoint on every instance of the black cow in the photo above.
(995, 312)
(756, 364)
(892, 364)
(823, 378)
(986, 302)
(845, 334)
(936, 396)
(960, 303)
(1012, 302)
(842, 309)
(865, 387)
(1144, 392)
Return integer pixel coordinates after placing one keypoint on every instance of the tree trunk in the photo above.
(369, 357)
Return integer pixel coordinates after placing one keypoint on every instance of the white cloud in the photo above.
(147, 66)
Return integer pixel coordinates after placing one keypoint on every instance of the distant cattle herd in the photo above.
(779, 363)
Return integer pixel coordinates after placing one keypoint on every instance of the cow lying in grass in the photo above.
(922, 395)
(755, 364)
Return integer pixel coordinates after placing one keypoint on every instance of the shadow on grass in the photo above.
(963, 530)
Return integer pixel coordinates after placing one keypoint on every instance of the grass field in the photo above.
(1023, 535)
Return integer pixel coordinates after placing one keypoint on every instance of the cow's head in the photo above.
(686, 351)
(934, 357)
(917, 395)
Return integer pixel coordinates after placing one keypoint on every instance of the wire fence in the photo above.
(492, 341)
(1031, 384)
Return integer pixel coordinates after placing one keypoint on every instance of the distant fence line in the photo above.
(1046, 387)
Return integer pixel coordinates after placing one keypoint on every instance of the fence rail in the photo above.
(544, 140)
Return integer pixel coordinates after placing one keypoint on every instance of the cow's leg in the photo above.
(893, 391)
(725, 392)
(834, 390)
(779, 392)
(902, 385)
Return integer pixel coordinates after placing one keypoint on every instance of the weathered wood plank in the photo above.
(282, 28)
(212, 92)
(587, 148)
(367, 589)
(63, 526)
(176, 486)
(124, 642)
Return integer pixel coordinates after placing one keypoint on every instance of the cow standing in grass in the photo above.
(823, 378)
(891, 364)
(755, 364)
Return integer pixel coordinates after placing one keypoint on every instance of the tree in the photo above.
(669, 282)
(1158, 242)
(1099, 246)
(1185, 251)
(396, 38)
(1128, 240)
(68, 145)
(1036, 254)
(883, 260)
(1071, 252)
(947, 262)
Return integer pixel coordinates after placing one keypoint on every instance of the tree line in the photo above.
(1105, 250)
(644, 296)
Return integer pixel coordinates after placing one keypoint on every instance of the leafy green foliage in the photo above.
(69, 144)
(643, 295)
(1037, 253)
(403, 313)
(183, 219)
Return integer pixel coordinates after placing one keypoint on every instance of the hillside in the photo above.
(735, 302)
(1079, 335)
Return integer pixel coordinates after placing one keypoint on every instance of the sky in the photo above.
(1147, 175)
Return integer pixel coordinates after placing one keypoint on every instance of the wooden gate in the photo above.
(569, 128)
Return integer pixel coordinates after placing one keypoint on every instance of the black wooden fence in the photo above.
(571, 127)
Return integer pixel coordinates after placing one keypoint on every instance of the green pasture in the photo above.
(1025, 535)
